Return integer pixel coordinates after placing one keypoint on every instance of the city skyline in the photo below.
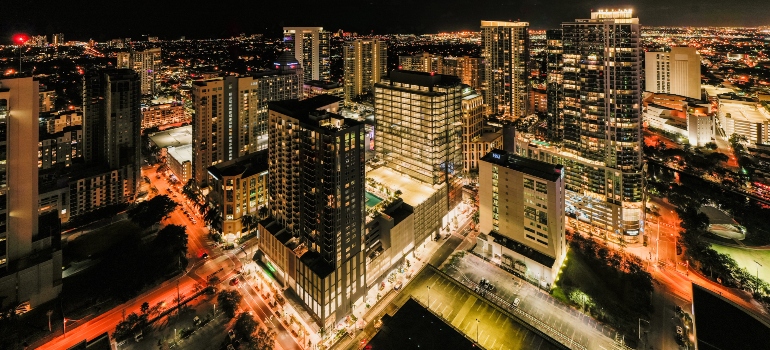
(229, 18)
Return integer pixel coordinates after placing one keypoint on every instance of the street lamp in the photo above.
(477, 331)
(758, 265)
(428, 296)
(640, 327)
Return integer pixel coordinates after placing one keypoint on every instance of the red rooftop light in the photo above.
(20, 39)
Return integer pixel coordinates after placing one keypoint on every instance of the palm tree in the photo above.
(213, 217)
(248, 221)
(262, 212)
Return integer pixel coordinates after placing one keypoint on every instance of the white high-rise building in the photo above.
(676, 72)
(310, 46)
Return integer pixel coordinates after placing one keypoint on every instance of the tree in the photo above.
(711, 145)
(245, 325)
(213, 217)
(172, 239)
(263, 212)
(228, 301)
(151, 212)
(248, 221)
(475, 217)
(263, 340)
(145, 308)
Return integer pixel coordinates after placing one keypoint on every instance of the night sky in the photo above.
(106, 19)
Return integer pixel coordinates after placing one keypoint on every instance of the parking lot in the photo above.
(537, 307)
(476, 317)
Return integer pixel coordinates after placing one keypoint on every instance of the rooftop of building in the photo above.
(413, 327)
(543, 170)
(398, 211)
(743, 111)
(489, 137)
(174, 137)
(323, 84)
(423, 79)
(315, 112)
(713, 91)
(743, 331)
(309, 258)
(181, 153)
(245, 166)
(471, 96)
(413, 192)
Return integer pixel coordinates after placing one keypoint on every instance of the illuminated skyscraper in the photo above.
(314, 237)
(554, 84)
(310, 46)
(601, 144)
(365, 63)
(30, 249)
(230, 118)
(146, 63)
(505, 50)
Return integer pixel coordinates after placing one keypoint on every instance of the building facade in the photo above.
(365, 63)
(239, 188)
(146, 63)
(521, 205)
(314, 236)
(505, 50)
(424, 62)
(310, 46)
(317, 87)
(164, 114)
(468, 69)
(602, 107)
(47, 101)
(112, 128)
(554, 84)
(30, 248)
(418, 119)
(231, 118)
(676, 72)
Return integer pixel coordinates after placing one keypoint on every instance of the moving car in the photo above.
(234, 281)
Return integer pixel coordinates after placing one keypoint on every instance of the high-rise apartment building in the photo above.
(231, 116)
(30, 248)
(61, 139)
(314, 238)
(521, 212)
(419, 124)
(676, 72)
(505, 50)
(310, 46)
(553, 88)
(47, 100)
(476, 143)
(365, 63)
(58, 39)
(146, 63)
(468, 69)
(111, 141)
(421, 63)
(601, 145)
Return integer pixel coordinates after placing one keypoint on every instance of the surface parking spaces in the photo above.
(536, 307)
(474, 316)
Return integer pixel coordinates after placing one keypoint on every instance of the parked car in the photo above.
(231, 334)
(234, 281)
(516, 302)
(196, 321)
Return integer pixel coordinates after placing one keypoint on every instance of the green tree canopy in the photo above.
(245, 325)
(228, 300)
(148, 213)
